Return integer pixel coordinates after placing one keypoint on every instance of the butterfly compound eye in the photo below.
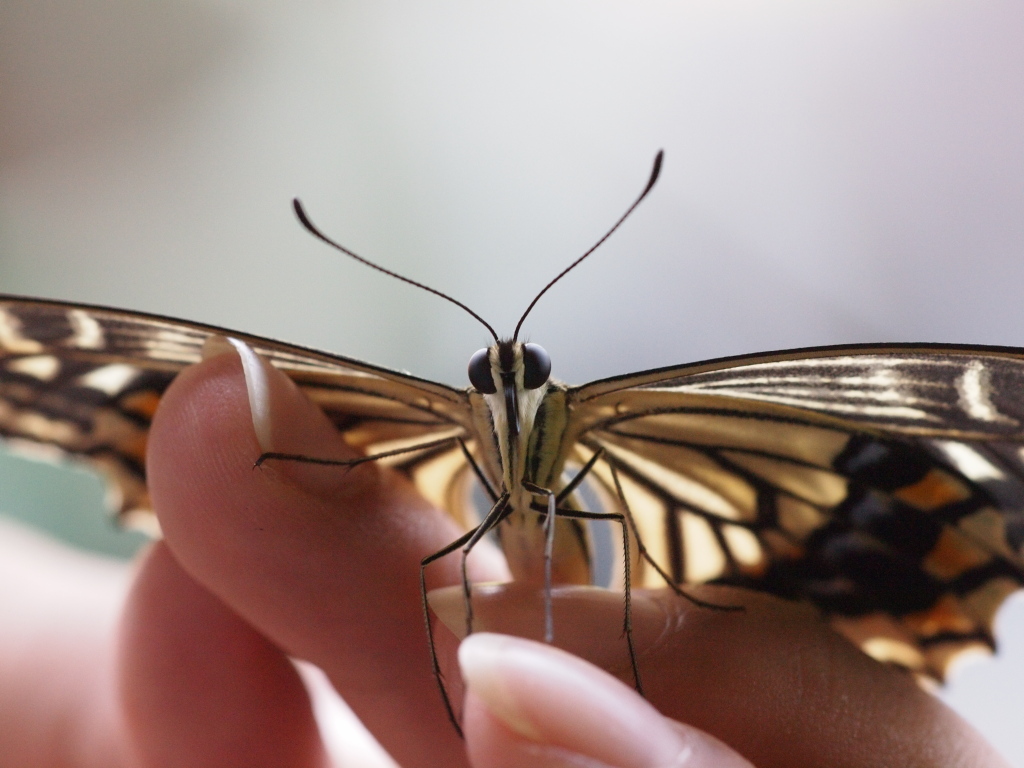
(536, 366)
(480, 373)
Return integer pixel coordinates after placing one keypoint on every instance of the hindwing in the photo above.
(883, 484)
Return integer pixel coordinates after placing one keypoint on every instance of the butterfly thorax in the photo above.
(527, 427)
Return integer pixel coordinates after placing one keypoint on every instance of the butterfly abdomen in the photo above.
(535, 456)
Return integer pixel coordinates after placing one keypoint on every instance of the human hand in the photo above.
(322, 564)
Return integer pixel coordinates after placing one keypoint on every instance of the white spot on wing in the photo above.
(975, 389)
(110, 379)
(971, 463)
(88, 334)
(11, 337)
(42, 367)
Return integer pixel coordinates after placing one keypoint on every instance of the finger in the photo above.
(59, 610)
(773, 682)
(531, 704)
(322, 560)
(200, 687)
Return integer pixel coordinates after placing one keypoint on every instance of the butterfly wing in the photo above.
(883, 484)
(84, 382)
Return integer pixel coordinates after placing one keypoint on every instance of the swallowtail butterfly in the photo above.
(882, 483)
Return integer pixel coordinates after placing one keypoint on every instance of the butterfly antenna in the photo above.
(301, 213)
(650, 183)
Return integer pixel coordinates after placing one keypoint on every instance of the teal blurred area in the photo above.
(64, 501)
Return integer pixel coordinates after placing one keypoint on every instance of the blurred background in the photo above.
(850, 171)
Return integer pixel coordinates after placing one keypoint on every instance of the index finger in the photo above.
(322, 560)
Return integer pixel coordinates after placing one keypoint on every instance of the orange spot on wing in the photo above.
(953, 554)
(946, 616)
(141, 403)
(936, 489)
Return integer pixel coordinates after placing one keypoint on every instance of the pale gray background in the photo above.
(835, 172)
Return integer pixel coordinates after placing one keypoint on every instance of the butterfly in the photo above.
(882, 483)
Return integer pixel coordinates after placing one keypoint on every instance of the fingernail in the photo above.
(486, 674)
(257, 385)
(553, 699)
(284, 420)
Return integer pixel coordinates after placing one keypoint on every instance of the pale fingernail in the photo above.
(486, 675)
(257, 385)
(285, 420)
(553, 699)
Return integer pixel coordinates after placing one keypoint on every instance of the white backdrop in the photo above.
(835, 172)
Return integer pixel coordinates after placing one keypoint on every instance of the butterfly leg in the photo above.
(627, 627)
(642, 550)
(434, 665)
(549, 548)
(627, 616)
(499, 512)
(264, 457)
(464, 542)
(580, 476)
(478, 472)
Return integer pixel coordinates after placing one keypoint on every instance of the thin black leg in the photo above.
(263, 457)
(499, 512)
(478, 472)
(549, 548)
(584, 471)
(627, 615)
(647, 556)
(465, 540)
(434, 665)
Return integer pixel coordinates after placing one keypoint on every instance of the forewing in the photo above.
(912, 389)
(84, 382)
(883, 484)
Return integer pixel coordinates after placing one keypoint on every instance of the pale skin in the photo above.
(184, 659)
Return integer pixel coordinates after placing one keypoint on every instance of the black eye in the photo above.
(536, 366)
(480, 373)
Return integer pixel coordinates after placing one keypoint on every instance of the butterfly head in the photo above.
(511, 374)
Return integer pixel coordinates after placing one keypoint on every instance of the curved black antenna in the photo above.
(297, 205)
(650, 183)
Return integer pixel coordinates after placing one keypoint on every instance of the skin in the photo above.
(183, 660)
